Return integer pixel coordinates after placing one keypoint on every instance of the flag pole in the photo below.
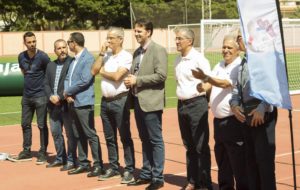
(290, 112)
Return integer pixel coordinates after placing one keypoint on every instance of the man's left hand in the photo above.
(257, 119)
(130, 81)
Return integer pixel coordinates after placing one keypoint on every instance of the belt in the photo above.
(191, 100)
(116, 97)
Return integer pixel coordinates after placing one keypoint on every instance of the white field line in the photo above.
(286, 178)
(286, 154)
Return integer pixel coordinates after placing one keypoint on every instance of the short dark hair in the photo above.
(28, 34)
(59, 40)
(148, 25)
(78, 38)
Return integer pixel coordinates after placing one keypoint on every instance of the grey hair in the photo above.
(232, 37)
(186, 32)
(118, 31)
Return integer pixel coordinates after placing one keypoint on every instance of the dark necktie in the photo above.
(139, 60)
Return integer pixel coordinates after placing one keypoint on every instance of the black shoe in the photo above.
(127, 178)
(139, 181)
(68, 166)
(96, 171)
(41, 158)
(79, 169)
(54, 164)
(24, 155)
(109, 174)
(155, 185)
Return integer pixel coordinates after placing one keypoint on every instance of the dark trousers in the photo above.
(83, 125)
(60, 118)
(230, 154)
(260, 154)
(115, 115)
(149, 125)
(193, 123)
(29, 106)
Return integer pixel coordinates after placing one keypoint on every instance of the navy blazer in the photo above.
(82, 81)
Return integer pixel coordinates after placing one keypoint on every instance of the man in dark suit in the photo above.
(57, 106)
(147, 83)
(79, 92)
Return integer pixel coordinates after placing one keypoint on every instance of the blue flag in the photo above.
(265, 57)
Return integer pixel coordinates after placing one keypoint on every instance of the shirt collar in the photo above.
(78, 55)
(190, 54)
(145, 46)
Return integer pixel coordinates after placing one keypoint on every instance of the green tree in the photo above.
(101, 13)
(10, 13)
(20, 15)
(296, 14)
(224, 9)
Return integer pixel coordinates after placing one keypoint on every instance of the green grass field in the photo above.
(10, 112)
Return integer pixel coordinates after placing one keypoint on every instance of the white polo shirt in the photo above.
(111, 64)
(186, 82)
(219, 97)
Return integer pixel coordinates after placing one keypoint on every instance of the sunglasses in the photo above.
(69, 41)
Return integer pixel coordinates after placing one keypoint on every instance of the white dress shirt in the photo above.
(75, 61)
(186, 82)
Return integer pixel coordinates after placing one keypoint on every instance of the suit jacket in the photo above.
(82, 81)
(50, 79)
(151, 77)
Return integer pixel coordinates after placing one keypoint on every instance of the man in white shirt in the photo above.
(192, 110)
(113, 67)
(229, 141)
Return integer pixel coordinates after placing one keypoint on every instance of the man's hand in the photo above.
(199, 74)
(130, 81)
(104, 47)
(70, 99)
(54, 99)
(200, 87)
(238, 113)
(257, 119)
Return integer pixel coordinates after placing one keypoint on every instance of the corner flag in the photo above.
(265, 55)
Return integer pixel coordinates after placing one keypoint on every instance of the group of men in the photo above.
(65, 87)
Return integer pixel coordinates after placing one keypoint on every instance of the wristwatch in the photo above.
(101, 54)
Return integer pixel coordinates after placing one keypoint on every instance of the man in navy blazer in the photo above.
(79, 92)
(57, 107)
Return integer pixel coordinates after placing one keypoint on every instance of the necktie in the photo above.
(137, 67)
(139, 60)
